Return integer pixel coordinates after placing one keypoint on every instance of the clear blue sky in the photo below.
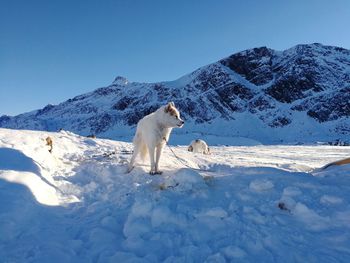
(53, 50)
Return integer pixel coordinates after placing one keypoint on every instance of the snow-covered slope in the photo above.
(240, 204)
(299, 95)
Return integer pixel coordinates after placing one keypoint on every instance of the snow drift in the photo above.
(246, 203)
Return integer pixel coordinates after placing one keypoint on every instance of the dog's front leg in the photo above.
(158, 153)
(151, 150)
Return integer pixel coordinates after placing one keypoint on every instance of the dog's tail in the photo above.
(140, 146)
(143, 151)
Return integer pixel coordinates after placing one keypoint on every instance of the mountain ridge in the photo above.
(259, 93)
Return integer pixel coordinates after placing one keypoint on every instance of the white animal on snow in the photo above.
(199, 146)
(153, 132)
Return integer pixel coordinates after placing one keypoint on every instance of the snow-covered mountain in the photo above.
(298, 95)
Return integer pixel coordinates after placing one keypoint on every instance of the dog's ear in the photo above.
(169, 106)
(171, 103)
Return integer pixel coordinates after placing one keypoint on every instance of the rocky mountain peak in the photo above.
(120, 81)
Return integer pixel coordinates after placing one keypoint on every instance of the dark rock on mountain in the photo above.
(255, 65)
(330, 106)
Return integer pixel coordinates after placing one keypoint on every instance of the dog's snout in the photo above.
(180, 124)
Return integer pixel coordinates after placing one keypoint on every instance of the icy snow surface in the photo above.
(240, 204)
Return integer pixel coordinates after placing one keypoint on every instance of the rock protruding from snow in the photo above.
(120, 81)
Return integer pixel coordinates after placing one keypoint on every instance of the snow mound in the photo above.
(185, 180)
(261, 185)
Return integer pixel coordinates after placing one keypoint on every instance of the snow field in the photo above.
(245, 204)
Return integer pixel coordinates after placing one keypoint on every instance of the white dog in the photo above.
(153, 132)
(199, 146)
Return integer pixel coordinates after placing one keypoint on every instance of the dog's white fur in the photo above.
(199, 146)
(152, 133)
